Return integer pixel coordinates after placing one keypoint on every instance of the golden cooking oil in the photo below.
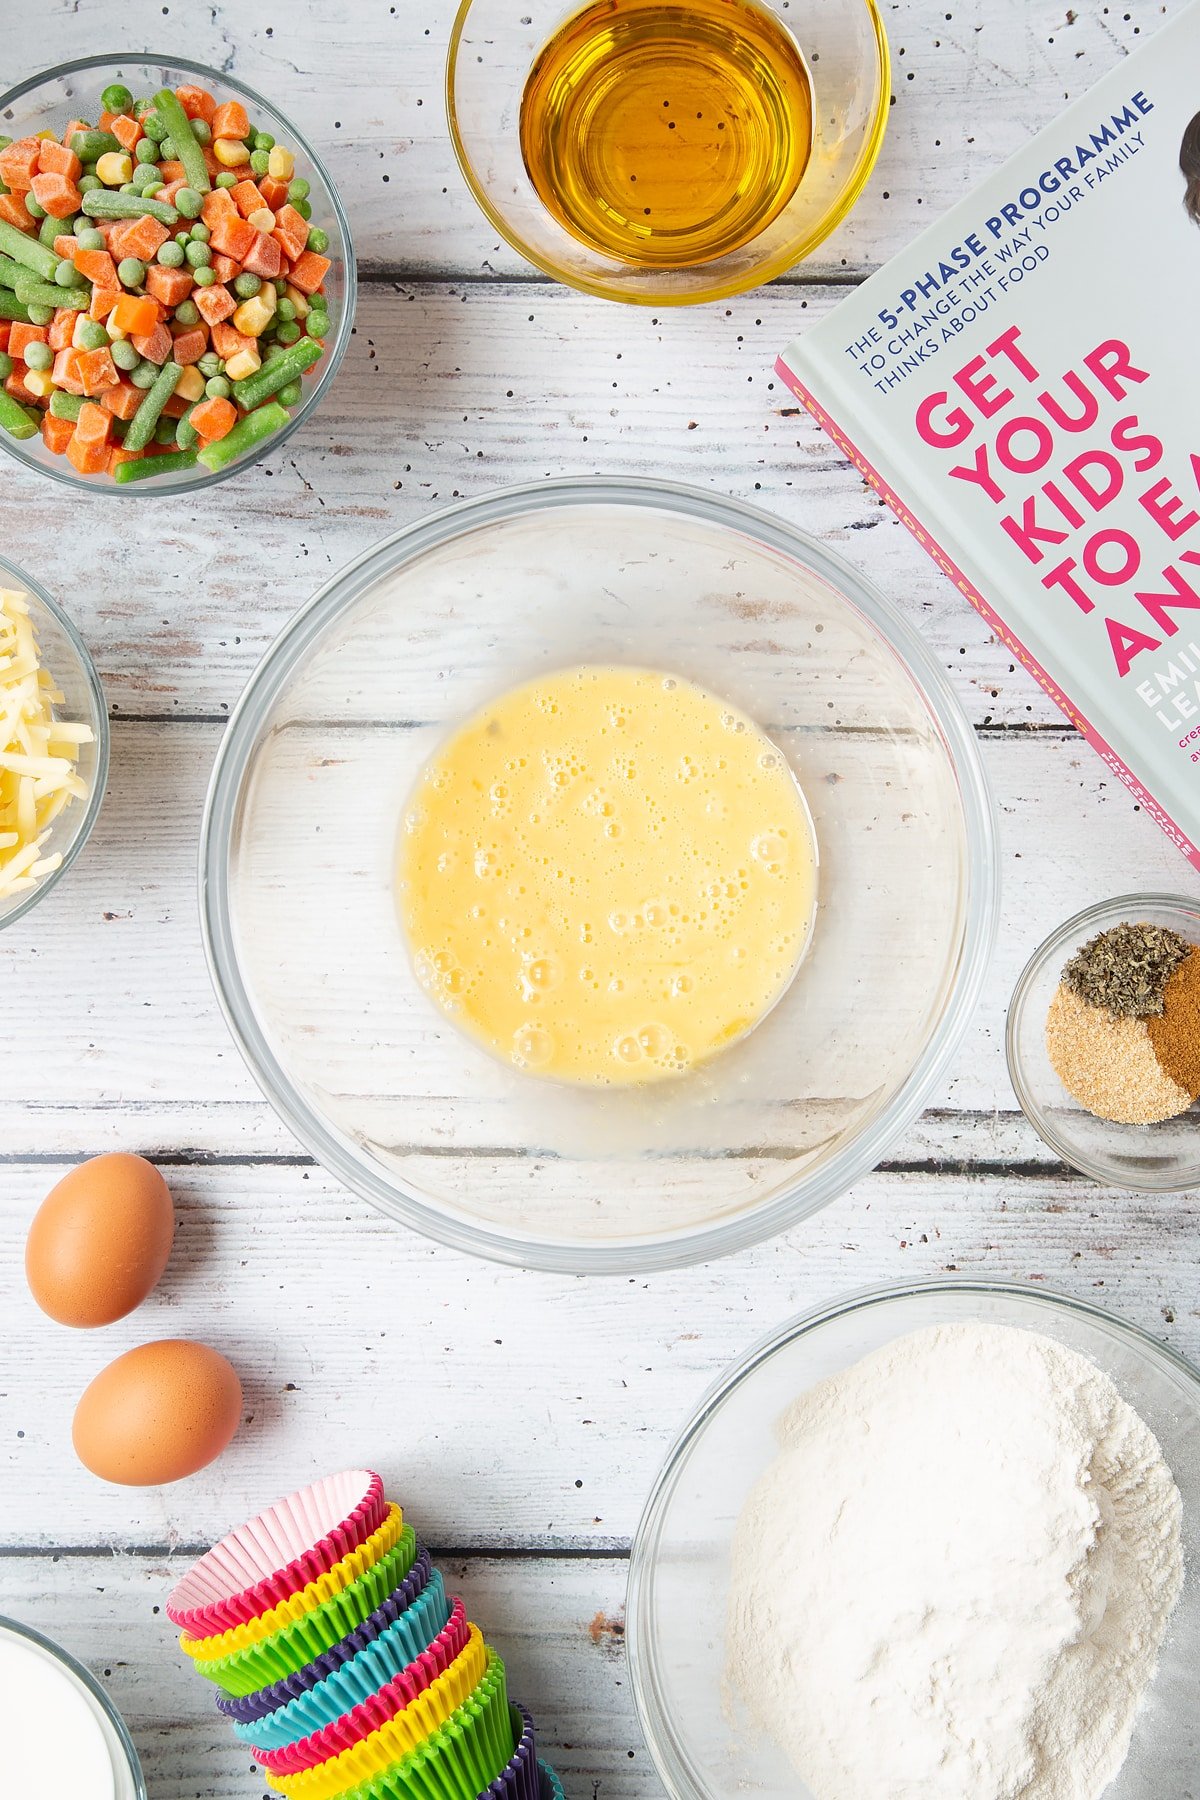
(667, 134)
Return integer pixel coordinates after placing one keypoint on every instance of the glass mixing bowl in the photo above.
(1145, 1159)
(679, 1572)
(66, 657)
(46, 103)
(298, 875)
(492, 48)
(127, 1779)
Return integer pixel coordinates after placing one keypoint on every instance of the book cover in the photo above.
(1022, 386)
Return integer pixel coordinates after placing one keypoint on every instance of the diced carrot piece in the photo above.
(232, 235)
(103, 301)
(57, 195)
(106, 119)
(197, 103)
(214, 303)
(13, 212)
(214, 419)
(291, 231)
(176, 406)
(264, 257)
(74, 125)
(170, 286)
(89, 459)
(274, 192)
(94, 424)
(19, 164)
(65, 373)
(5, 328)
(135, 314)
(247, 198)
(22, 335)
(122, 400)
(119, 454)
(225, 268)
(154, 345)
(97, 370)
(62, 329)
(227, 342)
(56, 433)
(217, 204)
(65, 247)
(170, 171)
(127, 131)
(309, 271)
(98, 266)
(230, 121)
(57, 159)
(14, 384)
(171, 189)
(142, 238)
(190, 345)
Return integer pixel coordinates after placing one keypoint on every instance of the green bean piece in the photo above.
(41, 293)
(116, 98)
(145, 468)
(144, 420)
(187, 150)
(66, 406)
(39, 356)
(186, 435)
(6, 365)
(276, 374)
(90, 146)
(17, 420)
(104, 204)
(124, 355)
(251, 430)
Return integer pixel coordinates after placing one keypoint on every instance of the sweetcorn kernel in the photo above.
(242, 364)
(253, 316)
(113, 168)
(190, 385)
(281, 164)
(230, 152)
(299, 301)
(39, 382)
(262, 219)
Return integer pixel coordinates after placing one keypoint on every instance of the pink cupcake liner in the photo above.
(371, 1714)
(277, 1554)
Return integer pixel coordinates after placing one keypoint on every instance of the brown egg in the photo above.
(100, 1240)
(158, 1413)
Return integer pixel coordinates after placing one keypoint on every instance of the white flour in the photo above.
(954, 1580)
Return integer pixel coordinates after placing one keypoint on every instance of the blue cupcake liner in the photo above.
(552, 1787)
(359, 1679)
(421, 1579)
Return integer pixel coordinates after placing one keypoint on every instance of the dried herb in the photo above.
(1126, 969)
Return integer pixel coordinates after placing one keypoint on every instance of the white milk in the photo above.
(57, 1737)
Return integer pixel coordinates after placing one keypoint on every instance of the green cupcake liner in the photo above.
(462, 1758)
(302, 1640)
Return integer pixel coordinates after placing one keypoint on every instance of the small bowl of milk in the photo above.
(61, 1731)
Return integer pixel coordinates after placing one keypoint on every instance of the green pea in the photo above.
(142, 107)
(183, 239)
(92, 335)
(226, 179)
(34, 207)
(144, 173)
(40, 315)
(67, 275)
(304, 208)
(216, 387)
(89, 239)
(262, 140)
(5, 141)
(290, 395)
(167, 149)
(205, 277)
(198, 255)
(38, 356)
(124, 354)
(245, 285)
(6, 361)
(154, 127)
(187, 203)
(317, 325)
(146, 150)
(202, 131)
(186, 313)
(318, 240)
(285, 310)
(116, 98)
(288, 332)
(298, 189)
(200, 233)
(164, 431)
(131, 272)
(259, 162)
(87, 184)
(210, 363)
(144, 375)
(170, 254)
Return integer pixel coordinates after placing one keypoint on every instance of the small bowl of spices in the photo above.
(1103, 1042)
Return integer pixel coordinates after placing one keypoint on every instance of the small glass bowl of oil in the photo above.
(667, 151)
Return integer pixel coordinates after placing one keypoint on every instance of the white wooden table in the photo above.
(519, 1417)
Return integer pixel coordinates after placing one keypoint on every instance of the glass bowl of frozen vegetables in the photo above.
(177, 281)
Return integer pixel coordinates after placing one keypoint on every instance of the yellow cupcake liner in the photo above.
(406, 1731)
(333, 1581)
(302, 1640)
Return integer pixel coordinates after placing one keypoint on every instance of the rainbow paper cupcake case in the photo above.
(346, 1669)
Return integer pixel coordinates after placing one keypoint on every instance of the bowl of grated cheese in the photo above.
(53, 743)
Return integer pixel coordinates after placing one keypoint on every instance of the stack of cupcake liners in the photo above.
(343, 1664)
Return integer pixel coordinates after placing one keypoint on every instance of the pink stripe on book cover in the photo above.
(968, 589)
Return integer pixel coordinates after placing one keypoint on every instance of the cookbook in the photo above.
(1022, 386)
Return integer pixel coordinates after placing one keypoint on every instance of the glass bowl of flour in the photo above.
(938, 1540)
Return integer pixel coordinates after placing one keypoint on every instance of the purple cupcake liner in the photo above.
(247, 1708)
(520, 1779)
